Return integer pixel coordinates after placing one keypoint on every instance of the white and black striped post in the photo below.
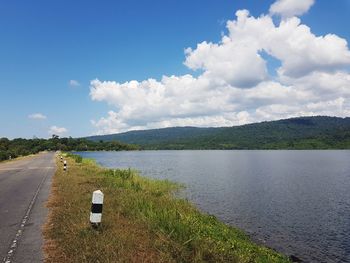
(65, 165)
(61, 158)
(96, 208)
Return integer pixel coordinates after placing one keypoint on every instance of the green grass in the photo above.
(76, 158)
(142, 222)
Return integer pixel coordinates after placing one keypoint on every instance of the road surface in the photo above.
(24, 189)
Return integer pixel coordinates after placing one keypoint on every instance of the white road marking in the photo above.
(14, 243)
(26, 168)
(39, 167)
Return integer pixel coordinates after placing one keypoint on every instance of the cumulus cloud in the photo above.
(233, 85)
(57, 130)
(37, 116)
(289, 8)
(74, 83)
(234, 62)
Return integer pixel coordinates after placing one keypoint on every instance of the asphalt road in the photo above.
(24, 189)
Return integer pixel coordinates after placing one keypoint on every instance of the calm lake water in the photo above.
(297, 202)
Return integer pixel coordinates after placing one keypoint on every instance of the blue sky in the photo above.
(46, 44)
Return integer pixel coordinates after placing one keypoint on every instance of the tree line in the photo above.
(21, 147)
(318, 132)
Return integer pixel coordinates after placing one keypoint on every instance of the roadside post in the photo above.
(96, 208)
(65, 165)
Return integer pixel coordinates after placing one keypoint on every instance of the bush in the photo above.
(3, 156)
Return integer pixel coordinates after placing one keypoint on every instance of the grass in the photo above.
(142, 222)
(17, 158)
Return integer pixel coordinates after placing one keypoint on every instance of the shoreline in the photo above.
(172, 229)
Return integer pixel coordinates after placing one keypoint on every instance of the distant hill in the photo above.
(296, 133)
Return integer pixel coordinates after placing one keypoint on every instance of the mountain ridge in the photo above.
(316, 132)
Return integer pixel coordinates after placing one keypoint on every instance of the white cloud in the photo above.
(233, 85)
(289, 8)
(235, 63)
(298, 49)
(57, 130)
(301, 52)
(37, 116)
(74, 83)
(334, 107)
(113, 124)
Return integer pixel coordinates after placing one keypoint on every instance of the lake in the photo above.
(297, 202)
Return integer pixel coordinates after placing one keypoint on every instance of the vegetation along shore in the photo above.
(141, 220)
(22, 147)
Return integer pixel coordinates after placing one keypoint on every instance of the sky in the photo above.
(78, 68)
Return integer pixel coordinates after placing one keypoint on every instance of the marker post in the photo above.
(96, 209)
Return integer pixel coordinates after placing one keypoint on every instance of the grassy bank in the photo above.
(18, 158)
(142, 222)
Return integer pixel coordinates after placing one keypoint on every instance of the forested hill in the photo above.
(296, 133)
